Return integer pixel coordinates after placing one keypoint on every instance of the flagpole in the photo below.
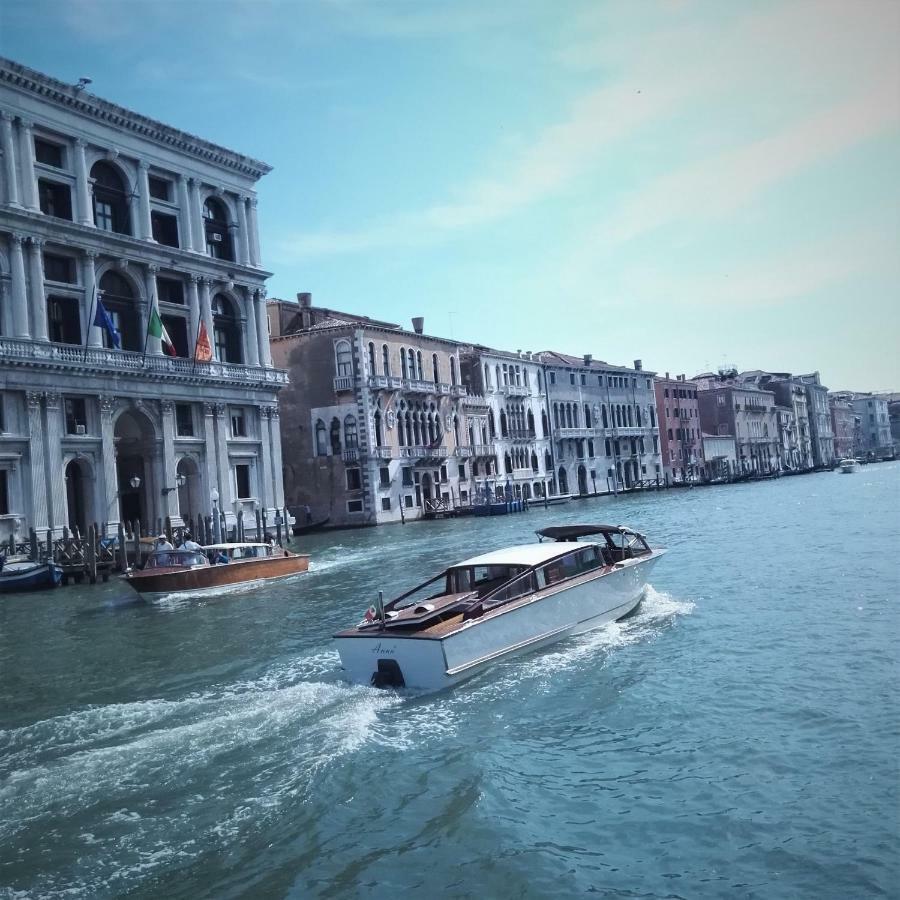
(90, 324)
(197, 340)
(147, 333)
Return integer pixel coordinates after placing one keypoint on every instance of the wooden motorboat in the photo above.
(213, 567)
(497, 605)
(26, 575)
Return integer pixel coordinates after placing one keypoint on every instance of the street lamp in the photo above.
(180, 481)
(135, 481)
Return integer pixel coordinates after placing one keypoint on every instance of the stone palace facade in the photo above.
(98, 203)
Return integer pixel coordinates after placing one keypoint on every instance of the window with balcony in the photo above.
(120, 302)
(63, 320)
(55, 199)
(385, 359)
(49, 154)
(351, 435)
(177, 327)
(242, 481)
(226, 330)
(184, 420)
(343, 358)
(218, 235)
(111, 199)
(321, 439)
(76, 415)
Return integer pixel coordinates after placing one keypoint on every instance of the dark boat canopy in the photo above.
(574, 532)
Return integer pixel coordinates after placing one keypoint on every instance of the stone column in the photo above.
(170, 497)
(146, 226)
(265, 457)
(38, 459)
(84, 213)
(226, 499)
(111, 511)
(38, 300)
(18, 289)
(243, 236)
(186, 232)
(206, 311)
(194, 307)
(197, 215)
(277, 464)
(56, 473)
(262, 328)
(212, 470)
(9, 159)
(252, 341)
(253, 233)
(89, 270)
(6, 323)
(26, 166)
(154, 344)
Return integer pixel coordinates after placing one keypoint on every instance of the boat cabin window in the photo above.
(481, 579)
(169, 558)
(572, 564)
(519, 587)
(625, 546)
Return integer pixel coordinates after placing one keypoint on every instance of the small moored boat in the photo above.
(25, 575)
(213, 567)
(497, 605)
(848, 466)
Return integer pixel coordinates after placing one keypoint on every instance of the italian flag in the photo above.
(155, 328)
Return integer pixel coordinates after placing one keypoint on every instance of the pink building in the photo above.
(680, 437)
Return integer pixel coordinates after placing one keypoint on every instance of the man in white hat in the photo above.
(162, 543)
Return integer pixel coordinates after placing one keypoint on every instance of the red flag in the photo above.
(203, 350)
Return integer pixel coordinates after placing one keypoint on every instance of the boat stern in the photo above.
(375, 658)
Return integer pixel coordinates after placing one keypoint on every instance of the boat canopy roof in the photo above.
(574, 532)
(522, 555)
(231, 546)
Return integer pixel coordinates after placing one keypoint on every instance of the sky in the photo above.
(693, 184)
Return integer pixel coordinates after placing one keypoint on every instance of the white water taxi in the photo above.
(497, 605)
(848, 466)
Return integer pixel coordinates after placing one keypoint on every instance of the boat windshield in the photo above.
(482, 579)
(165, 559)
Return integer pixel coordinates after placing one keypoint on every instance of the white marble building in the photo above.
(99, 201)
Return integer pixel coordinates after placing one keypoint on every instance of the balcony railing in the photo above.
(385, 382)
(483, 450)
(21, 351)
(423, 452)
(383, 452)
(464, 452)
(350, 454)
(343, 383)
(516, 390)
(473, 401)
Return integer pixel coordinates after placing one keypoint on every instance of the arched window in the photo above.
(540, 381)
(563, 481)
(456, 430)
(403, 370)
(544, 423)
(377, 423)
(548, 462)
(587, 416)
(335, 436)
(591, 449)
(321, 439)
(401, 429)
(110, 199)
(471, 435)
(497, 373)
(417, 434)
(453, 370)
(618, 415)
(487, 376)
(507, 462)
(652, 418)
(526, 378)
(372, 370)
(575, 414)
(630, 418)
(603, 413)
(569, 415)
(434, 368)
(531, 423)
(385, 359)
(504, 431)
(556, 415)
(534, 461)
(218, 235)
(491, 426)
(637, 412)
(343, 357)
(420, 370)
(411, 357)
(119, 301)
(226, 330)
(351, 436)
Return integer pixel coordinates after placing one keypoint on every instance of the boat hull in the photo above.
(431, 663)
(210, 579)
(17, 577)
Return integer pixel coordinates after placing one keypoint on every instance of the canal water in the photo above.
(737, 737)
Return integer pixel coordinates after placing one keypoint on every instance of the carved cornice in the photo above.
(33, 399)
(66, 96)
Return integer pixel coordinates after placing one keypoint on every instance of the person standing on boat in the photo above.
(162, 543)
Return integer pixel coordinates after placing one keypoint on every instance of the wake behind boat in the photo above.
(497, 605)
(178, 571)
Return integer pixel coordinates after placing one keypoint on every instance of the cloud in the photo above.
(782, 66)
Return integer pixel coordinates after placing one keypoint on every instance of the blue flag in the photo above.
(102, 319)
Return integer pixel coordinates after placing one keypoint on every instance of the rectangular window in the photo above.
(461, 471)
(165, 228)
(59, 268)
(407, 477)
(385, 476)
(600, 380)
(63, 320)
(385, 504)
(184, 420)
(160, 188)
(552, 377)
(176, 326)
(169, 290)
(408, 501)
(238, 423)
(242, 481)
(4, 492)
(583, 378)
(443, 473)
(571, 378)
(48, 153)
(354, 480)
(55, 199)
(354, 506)
(76, 415)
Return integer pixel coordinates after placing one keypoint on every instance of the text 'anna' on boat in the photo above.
(499, 604)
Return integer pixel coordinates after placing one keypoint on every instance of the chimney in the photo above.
(681, 377)
(638, 365)
(418, 324)
(305, 299)
(667, 377)
(588, 358)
